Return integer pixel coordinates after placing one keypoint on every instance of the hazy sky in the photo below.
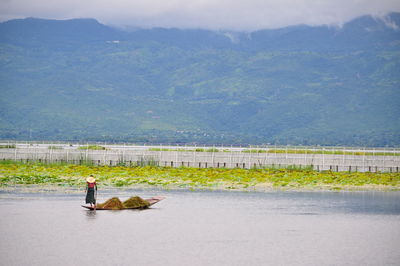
(209, 14)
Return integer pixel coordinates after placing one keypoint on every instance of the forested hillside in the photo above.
(81, 80)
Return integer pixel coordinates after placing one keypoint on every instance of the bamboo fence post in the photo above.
(160, 154)
(384, 160)
(373, 157)
(104, 158)
(212, 155)
(194, 155)
(344, 155)
(286, 152)
(250, 158)
(305, 156)
(266, 156)
(87, 149)
(230, 156)
(363, 160)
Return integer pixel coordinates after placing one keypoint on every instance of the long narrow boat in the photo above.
(152, 201)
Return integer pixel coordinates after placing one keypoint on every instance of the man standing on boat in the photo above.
(91, 189)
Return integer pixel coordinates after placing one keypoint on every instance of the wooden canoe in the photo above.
(152, 201)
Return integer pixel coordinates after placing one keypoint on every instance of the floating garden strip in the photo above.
(288, 151)
(193, 178)
(92, 147)
(7, 146)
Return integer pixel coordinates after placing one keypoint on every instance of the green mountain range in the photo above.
(81, 80)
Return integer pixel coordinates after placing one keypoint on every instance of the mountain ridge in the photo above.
(92, 26)
(79, 79)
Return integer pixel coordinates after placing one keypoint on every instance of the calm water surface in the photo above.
(203, 228)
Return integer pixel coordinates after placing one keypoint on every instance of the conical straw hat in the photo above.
(91, 179)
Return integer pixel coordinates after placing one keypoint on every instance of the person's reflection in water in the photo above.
(90, 215)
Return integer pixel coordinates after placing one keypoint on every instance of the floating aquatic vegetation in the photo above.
(12, 173)
(92, 147)
(8, 146)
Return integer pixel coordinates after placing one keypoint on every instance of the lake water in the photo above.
(203, 228)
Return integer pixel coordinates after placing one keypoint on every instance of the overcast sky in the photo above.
(244, 15)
